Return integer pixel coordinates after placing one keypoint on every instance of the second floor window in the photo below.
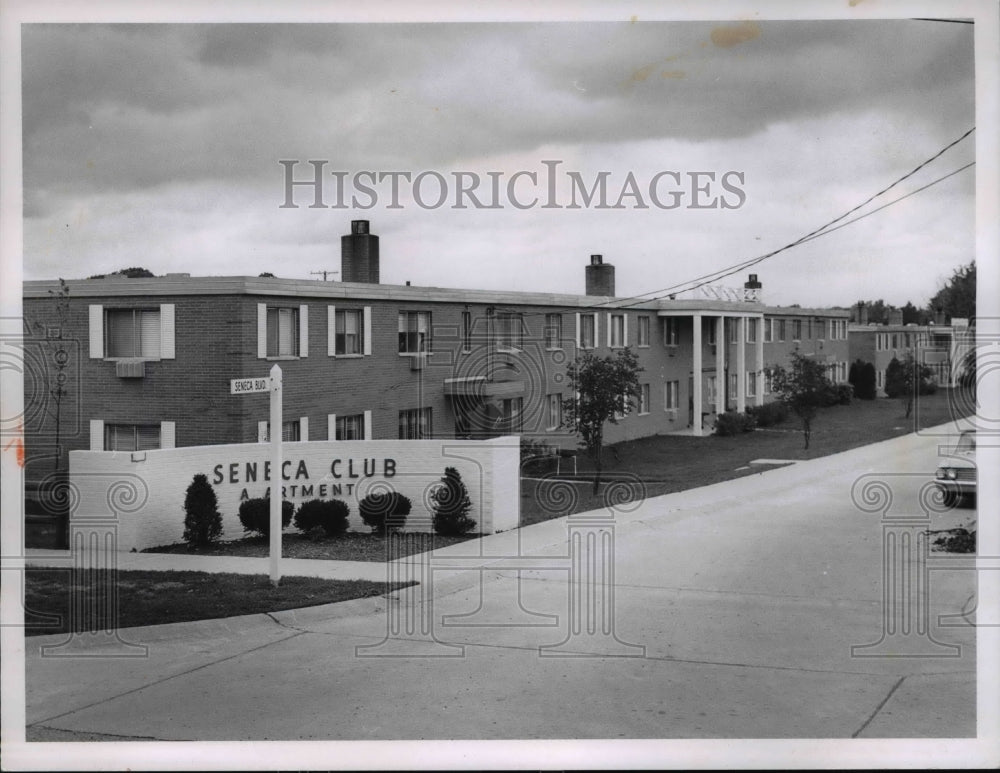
(349, 332)
(768, 331)
(617, 330)
(781, 330)
(415, 424)
(553, 331)
(752, 331)
(132, 333)
(671, 331)
(509, 330)
(414, 332)
(587, 331)
(131, 437)
(643, 334)
(797, 330)
(466, 331)
(282, 332)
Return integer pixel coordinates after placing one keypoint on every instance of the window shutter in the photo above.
(261, 431)
(262, 331)
(304, 428)
(96, 432)
(167, 350)
(168, 434)
(368, 329)
(368, 425)
(331, 426)
(97, 336)
(331, 332)
(303, 331)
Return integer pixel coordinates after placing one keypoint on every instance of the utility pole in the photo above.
(324, 273)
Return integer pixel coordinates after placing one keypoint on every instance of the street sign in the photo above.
(245, 386)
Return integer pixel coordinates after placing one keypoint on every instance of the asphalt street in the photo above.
(773, 606)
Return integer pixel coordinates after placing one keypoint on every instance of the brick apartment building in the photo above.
(150, 360)
(941, 347)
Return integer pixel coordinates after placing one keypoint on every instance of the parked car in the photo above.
(956, 478)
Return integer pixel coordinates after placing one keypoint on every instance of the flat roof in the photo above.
(178, 284)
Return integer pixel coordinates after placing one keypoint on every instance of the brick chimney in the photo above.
(895, 316)
(752, 289)
(359, 254)
(600, 277)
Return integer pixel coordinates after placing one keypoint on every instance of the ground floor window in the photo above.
(752, 383)
(512, 411)
(290, 431)
(734, 385)
(351, 427)
(131, 437)
(554, 420)
(643, 398)
(671, 395)
(415, 424)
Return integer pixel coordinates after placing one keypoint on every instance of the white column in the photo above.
(741, 364)
(275, 510)
(720, 364)
(696, 373)
(759, 351)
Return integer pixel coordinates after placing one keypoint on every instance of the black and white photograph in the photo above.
(629, 373)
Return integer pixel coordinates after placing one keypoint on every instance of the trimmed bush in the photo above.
(733, 423)
(769, 414)
(255, 515)
(328, 514)
(202, 519)
(452, 506)
(385, 511)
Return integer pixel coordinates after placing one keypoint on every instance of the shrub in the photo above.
(255, 515)
(328, 514)
(733, 423)
(385, 511)
(202, 519)
(452, 506)
(769, 414)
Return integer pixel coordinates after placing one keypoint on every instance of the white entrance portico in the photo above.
(723, 392)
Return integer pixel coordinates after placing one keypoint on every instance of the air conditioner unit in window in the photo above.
(130, 368)
(418, 361)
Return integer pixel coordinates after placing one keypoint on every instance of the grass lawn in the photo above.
(352, 546)
(669, 463)
(151, 598)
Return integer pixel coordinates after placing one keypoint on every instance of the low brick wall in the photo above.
(142, 493)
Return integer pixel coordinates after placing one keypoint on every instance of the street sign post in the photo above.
(247, 386)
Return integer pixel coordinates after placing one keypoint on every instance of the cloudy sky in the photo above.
(159, 145)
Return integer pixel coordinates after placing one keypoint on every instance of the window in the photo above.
(513, 414)
(349, 332)
(781, 330)
(712, 391)
(351, 427)
(282, 332)
(466, 331)
(752, 330)
(751, 383)
(734, 385)
(132, 333)
(131, 437)
(809, 328)
(415, 424)
(643, 332)
(290, 431)
(671, 395)
(554, 419)
(587, 331)
(880, 379)
(616, 331)
(414, 332)
(768, 331)
(553, 331)
(768, 382)
(838, 329)
(671, 331)
(712, 327)
(734, 331)
(796, 329)
(509, 332)
(643, 398)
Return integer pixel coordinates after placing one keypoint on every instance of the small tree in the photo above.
(604, 388)
(49, 330)
(803, 388)
(202, 519)
(452, 506)
(862, 378)
(255, 515)
(330, 515)
(906, 379)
